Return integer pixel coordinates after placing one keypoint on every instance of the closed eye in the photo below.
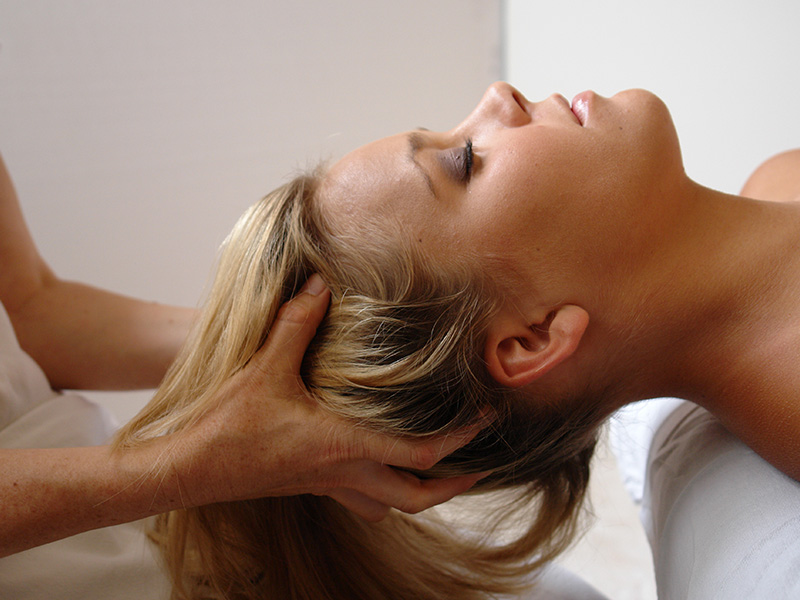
(459, 162)
(467, 160)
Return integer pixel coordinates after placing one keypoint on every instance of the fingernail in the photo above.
(315, 286)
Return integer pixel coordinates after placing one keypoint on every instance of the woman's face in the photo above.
(537, 185)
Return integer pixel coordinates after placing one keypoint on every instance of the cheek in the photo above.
(501, 220)
(512, 195)
(537, 190)
(554, 162)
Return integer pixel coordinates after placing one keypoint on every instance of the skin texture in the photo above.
(265, 436)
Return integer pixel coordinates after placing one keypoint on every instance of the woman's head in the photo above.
(555, 202)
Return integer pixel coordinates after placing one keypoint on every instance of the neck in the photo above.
(710, 311)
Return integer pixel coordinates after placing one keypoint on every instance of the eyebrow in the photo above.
(417, 141)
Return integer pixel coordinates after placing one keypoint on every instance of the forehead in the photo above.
(376, 183)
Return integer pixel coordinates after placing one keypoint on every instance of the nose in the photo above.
(502, 104)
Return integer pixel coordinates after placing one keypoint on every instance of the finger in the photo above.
(434, 491)
(408, 493)
(297, 322)
(362, 505)
(419, 455)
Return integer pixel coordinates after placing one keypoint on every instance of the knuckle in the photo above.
(294, 312)
(423, 458)
(411, 506)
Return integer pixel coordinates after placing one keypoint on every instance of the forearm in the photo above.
(49, 494)
(87, 338)
(82, 337)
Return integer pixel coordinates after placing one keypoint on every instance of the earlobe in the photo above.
(518, 353)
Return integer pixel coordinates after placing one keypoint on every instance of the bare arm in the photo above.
(83, 337)
(87, 338)
(777, 179)
(266, 438)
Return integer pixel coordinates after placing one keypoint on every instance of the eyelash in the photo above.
(467, 157)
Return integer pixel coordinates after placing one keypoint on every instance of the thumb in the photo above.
(297, 322)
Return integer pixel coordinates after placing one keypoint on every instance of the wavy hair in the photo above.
(398, 352)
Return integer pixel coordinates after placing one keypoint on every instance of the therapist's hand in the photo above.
(269, 438)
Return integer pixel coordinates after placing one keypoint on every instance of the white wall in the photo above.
(138, 130)
(726, 68)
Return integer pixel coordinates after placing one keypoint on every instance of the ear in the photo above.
(518, 353)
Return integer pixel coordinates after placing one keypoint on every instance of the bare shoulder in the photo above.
(777, 179)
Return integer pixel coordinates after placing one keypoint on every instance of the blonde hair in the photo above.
(398, 352)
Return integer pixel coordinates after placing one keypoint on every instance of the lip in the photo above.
(581, 106)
